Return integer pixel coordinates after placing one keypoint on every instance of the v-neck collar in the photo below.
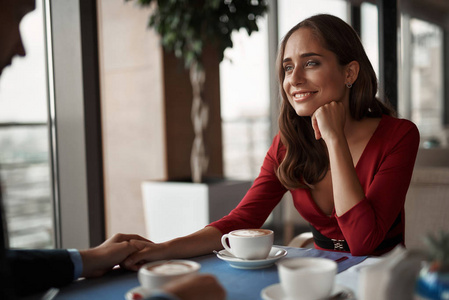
(370, 141)
(365, 150)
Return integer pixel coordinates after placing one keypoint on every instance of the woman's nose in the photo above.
(297, 77)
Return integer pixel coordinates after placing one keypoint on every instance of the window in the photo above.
(245, 93)
(24, 159)
(422, 82)
(292, 12)
(245, 103)
(370, 34)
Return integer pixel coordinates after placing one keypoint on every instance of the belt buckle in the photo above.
(338, 244)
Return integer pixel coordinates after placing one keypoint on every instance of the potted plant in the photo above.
(192, 29)
(186, 28)
(433, 279)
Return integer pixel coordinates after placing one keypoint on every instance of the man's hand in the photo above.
(203, 286)
(101, 259)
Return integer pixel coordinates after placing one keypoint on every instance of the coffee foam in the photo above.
(251, 232)
(170, 268)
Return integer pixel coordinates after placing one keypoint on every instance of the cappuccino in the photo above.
(251, 232)
(170, 268)
(248, 243)
(156, 274)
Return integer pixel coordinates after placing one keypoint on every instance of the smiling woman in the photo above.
(315, 68)
(329, 119)
(340, 152)
(313, 75)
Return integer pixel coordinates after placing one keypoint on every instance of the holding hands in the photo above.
(132, 251)
(147, 251)
(101, 259)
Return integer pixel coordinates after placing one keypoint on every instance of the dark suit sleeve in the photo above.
(37, 270)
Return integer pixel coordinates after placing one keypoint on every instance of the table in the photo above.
(239, 284)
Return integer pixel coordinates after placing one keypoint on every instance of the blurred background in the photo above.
(83, 117)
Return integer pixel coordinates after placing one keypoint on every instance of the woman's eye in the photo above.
(311, 63)
(288, 68)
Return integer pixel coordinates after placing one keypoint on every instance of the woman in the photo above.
(341, 152)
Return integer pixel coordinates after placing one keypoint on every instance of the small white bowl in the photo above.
(152, 279)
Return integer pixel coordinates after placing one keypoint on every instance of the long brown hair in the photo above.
(306, 159)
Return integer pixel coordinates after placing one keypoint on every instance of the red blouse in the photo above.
(384, 171)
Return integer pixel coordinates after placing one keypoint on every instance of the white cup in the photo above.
(307, 278)
(156, 274)
(249, 243)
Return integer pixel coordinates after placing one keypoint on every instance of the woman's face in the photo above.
(313, 76)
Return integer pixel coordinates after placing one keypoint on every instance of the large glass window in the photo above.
(292, 12)
(426, 80)
(24, 158)
(244, 84)
(370, 33)
(422, 83)
(245, 103)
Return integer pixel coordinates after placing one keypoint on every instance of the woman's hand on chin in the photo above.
(328, 121)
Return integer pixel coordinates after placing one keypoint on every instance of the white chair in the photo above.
(303, 240)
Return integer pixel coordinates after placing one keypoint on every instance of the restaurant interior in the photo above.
(105, 143)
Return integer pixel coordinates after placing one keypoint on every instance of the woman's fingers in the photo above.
(120, 237)
(328, 120)
(147, 251)
(315, 127)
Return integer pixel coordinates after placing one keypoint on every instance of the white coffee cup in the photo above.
(249, 243)
(307, 278)
(156, 274)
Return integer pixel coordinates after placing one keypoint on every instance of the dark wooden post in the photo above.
(446, 76)
(388, 52)
(356, 18)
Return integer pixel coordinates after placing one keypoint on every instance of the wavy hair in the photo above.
(306, 159)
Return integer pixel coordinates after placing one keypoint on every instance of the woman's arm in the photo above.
(201, 242)
(252, 211)
(328, 122)
(387, 173)
(366, 217)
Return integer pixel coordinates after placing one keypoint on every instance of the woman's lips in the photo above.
(301, 96)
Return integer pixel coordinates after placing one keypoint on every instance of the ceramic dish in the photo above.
(274, 256)
(275, 292)
(137, 293)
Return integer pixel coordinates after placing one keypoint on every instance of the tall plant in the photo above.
(185, 27)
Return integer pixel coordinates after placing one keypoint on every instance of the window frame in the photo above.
(75, 123)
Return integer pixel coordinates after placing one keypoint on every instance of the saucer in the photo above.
(275, 292)
(137, 293)
(275, 255)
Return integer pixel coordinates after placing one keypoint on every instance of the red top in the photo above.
(384, 171)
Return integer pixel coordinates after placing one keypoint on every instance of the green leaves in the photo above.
(186, 26)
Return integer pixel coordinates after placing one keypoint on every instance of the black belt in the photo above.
(326, 243)
(341, 245)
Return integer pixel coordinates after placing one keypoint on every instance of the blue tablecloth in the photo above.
(239, 284)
